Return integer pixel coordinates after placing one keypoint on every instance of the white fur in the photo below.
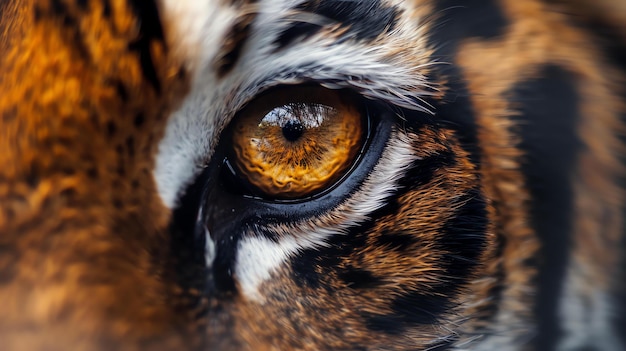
(197, 31)
(193, 131)
(258, 257)
(586, 314)
(197, 28)
(195, 34)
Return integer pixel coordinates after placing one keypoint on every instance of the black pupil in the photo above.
(293, 130)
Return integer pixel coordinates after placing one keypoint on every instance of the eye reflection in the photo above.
(298, 143)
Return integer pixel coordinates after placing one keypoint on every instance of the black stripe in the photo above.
(423, 170)
(398, 241)
(296, 30)
(196, 212)
(150, 29)
(186, 266)
(233, 44)
(463, 240)
(455, 21)
(225, 231)
(364, 20)
(106, 8)
(308, 267)
(358, 278)
(409, 309)
(549, 114)
(462, 19)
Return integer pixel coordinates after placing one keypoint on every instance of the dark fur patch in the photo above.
(463, 241)
(409, 309)
(82, 4)
(106, 8)
(8, 254)
(326, 261)
(464, 19)
(357, 278)
(423, 170)
(239, 3)
(363, 20)
(304, 269)
(296, 30)
(120, 89)
(396, 241)
(303, 265)
(548, 118)
(58, 8)
(188, 232)
(139, 120)
(66, 16)
(456, 21)
(464, 238)
(313, 267)
(233, 45)
(496, 291)
(150, 29)
(455, 111)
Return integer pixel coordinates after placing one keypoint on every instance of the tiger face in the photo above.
(309, 175)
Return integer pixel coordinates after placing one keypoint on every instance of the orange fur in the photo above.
(78, 206)
(85, 259)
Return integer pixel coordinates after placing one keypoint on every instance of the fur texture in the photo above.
(484, 211)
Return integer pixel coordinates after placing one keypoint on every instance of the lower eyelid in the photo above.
(229, 204)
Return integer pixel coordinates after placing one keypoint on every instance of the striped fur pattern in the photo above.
(485, 211)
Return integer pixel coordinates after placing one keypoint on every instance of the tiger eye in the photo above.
(298, 142)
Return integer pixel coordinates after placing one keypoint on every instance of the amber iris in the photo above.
(297, 142)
